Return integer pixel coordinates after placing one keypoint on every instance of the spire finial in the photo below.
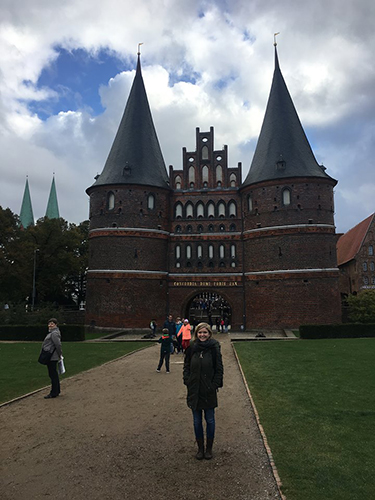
(274, 38)
(139, 48)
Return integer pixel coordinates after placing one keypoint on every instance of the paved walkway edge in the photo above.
(261, 430)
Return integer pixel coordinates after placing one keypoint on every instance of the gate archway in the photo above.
(210, 307)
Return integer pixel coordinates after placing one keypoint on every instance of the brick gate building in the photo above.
(201, 243)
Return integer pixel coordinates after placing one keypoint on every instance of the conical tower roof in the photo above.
(282, 150)
(26, 215)
(135, 156)
(52, 211)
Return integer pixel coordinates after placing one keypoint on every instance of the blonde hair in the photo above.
(199, 327)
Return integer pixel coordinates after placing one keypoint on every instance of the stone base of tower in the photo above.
(130, 301)
(288, 301)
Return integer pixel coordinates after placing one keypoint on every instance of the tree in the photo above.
(362, 307)
(56, 249)
(61, 259)
(16, 265)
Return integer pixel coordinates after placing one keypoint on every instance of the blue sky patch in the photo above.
(76, 77)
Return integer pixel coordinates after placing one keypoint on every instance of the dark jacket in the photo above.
(165, 344)
(203, 374)
(171, 325)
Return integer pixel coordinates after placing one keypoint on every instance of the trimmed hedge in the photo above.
(69, 333)
(345, 331)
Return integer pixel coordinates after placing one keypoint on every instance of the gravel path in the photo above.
(123, 431)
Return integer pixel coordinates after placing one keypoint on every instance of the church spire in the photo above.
(135, 156)
(26, 215)
(52, 211)
(282, 150)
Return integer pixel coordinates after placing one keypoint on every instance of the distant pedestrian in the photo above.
(170, 324)
(52, 344)
(153, 327)
(165, 349)
(203, 375)
(178, 338)
(185, 333)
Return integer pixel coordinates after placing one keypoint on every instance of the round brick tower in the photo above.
(290, 264)
(129, 228)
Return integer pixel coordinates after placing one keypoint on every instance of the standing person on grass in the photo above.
(203, 375)
(165, 349)
(52, 343)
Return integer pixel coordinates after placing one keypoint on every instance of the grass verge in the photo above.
(21, 373)
(315, 400)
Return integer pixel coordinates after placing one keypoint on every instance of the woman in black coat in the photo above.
(203, 375)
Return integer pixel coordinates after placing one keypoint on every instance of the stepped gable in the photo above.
(350, 243)
(52, 211)
(135, 156)
(26, 214)
(283, 150)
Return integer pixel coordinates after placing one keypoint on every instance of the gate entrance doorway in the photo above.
(211, 308)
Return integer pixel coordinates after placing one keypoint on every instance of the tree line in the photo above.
(42, 264)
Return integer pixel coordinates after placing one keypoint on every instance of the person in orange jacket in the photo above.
(185, 333)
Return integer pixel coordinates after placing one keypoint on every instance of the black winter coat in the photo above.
(203, 374)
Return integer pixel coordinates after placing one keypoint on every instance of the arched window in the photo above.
(200, 210)
(178, 211)
(286, 197)
(221, 209)
(178, 252)
(205, 175)
(205, 153)
(221, 227)
(178, 229)
(199, 251)
(372, 266)
(188, 252)
(189, 210)
(111, 201)
(221, 251)
(178, 182)
(371, 250)
(219, 174)
(365, 266)
(233, 180)
(211, 228)
(232, 227)
(365, 280)
(210, 251)
(232, 209)
(189, 229)
(233, 251)
(211, 209)
(151, 202)
(200, 228)
(191, 175)
(250, 203)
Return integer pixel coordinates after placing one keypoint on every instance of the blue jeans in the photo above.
(209, 416)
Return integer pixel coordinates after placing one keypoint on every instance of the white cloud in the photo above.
(224, 51)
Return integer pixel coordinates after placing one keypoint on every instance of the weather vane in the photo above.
(274, 38)
(139, 48)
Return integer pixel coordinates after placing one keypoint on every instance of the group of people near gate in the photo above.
(202, 374)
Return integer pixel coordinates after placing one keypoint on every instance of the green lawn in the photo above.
(21, 373)
(315, 400)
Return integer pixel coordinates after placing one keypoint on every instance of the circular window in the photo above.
(218, 158)
(204, 139)
(191, 159)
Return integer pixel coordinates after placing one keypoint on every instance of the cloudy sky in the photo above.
(66, 68)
